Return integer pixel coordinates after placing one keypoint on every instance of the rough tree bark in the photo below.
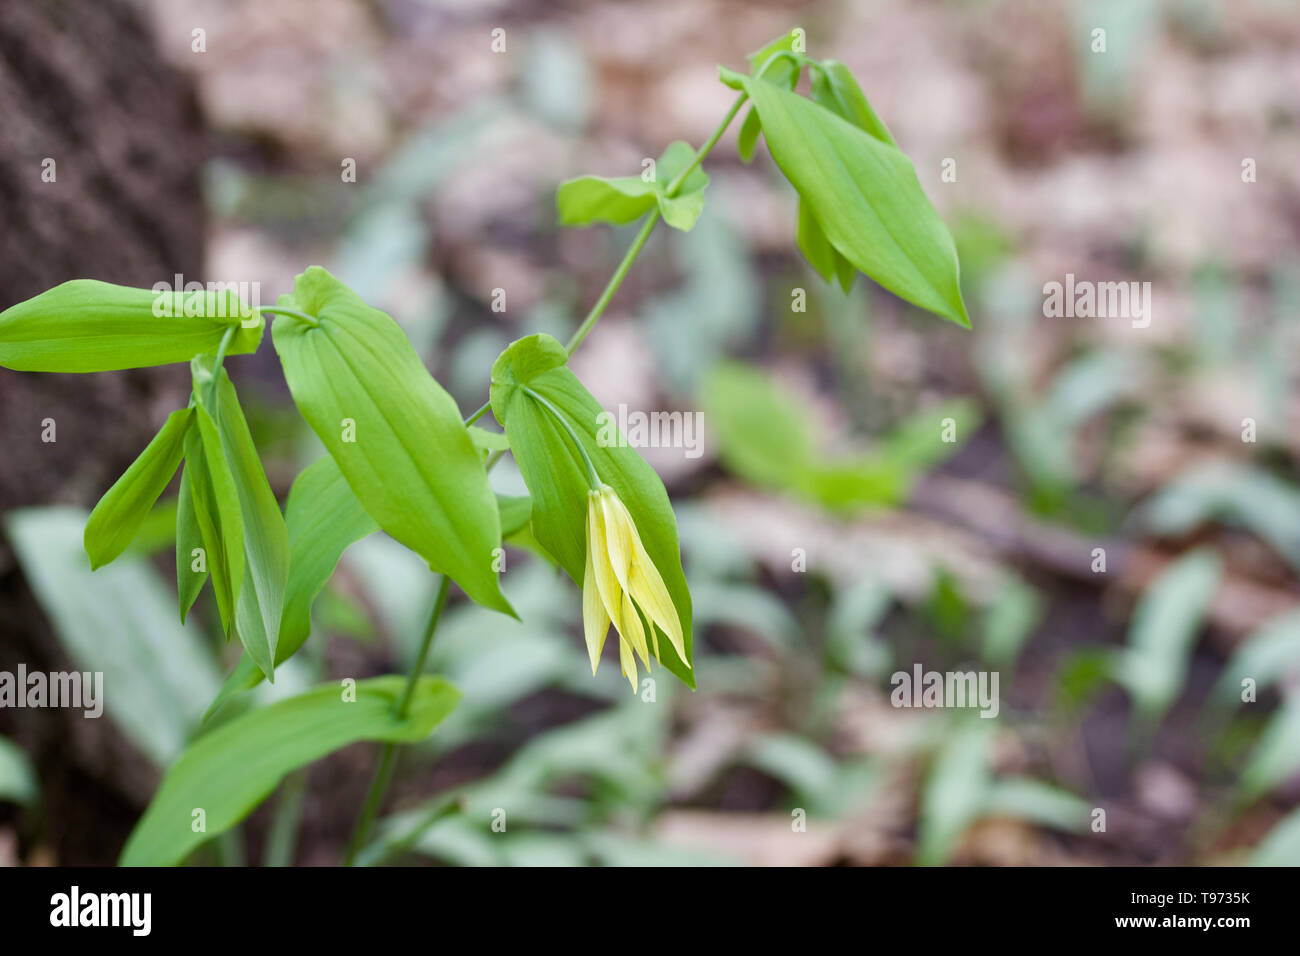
(81, 85)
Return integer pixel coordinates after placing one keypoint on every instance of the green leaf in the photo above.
(90, 326)
(323, 517)
(748, 137)
(515, 513)
(624, 199)
(119, 621)
(396, 434)
(189, 546)
(1237, 494)
(158, 530)
(485, 440)
(217, 513)
(228, 772)
(835, 88)
(118, 516)
(1023, 798)
(761, 428)
(1009, 619)
(866, 197)
(556, 478)
(763, 434)
(261, 595)
(955, 792)
(784, 71)
(589, 199)
(819, 252)
(1163, 630)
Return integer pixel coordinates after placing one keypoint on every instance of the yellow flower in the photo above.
(620, 580)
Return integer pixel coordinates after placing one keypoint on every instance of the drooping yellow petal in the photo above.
(619, 532)
(635, 634)
(646, 584)
(628, 663)
(595, 620)
(611, 592)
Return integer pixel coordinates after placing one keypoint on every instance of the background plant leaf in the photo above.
(229, 771)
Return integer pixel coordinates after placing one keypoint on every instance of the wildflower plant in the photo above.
(402, 457)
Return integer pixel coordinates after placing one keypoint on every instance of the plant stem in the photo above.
(216, 367)
(291, 313)
(384, 770)
(707, 148)
(417, 667)
(283, 835)
(614, 282)
(633, 250)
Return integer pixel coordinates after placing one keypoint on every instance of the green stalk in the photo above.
(384, 770)
(647, 227)
(283, 834)
(291, 313)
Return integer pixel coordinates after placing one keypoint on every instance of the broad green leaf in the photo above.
(785, 70)
(731, 78)
(485, 440)
(189, 548)
(624, 199)
(835, 88)
(396, 434)
(866, 197)
(261, 595)
(119, 621)
(17, 779)
(158, 530)
(553, 471)
(819, 252)
(91, 326)
(229, 771)
(515, 513)
(119, 514)
(617, 200)
(323, 517)
(1163, 630)
(217, 513)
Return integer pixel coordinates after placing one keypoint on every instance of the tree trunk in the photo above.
(99, 178)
